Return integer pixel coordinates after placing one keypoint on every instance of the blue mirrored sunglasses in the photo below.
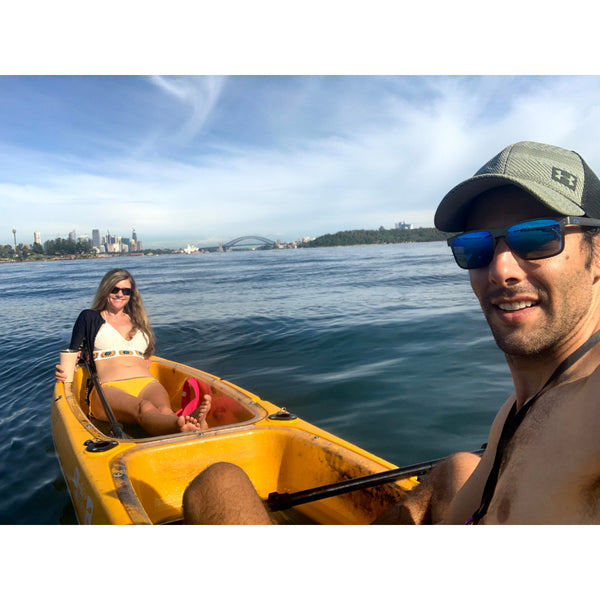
(531, 240)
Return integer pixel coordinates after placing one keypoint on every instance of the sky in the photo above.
(288, 153)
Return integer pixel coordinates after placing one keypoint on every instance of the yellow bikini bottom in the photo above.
(133, 386)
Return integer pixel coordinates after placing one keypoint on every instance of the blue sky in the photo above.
(208, 158)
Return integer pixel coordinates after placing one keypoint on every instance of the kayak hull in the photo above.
(141, 480)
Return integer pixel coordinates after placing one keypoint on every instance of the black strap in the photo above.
(88, 358)
(515, 418)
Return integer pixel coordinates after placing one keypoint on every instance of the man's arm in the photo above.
(468, 498)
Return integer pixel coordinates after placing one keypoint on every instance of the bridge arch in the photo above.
(242, 241)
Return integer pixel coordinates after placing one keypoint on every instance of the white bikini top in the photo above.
(109, 343)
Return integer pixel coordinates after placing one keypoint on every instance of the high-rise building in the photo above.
(96, 238)
(37, 238)
(72, 235)
(134, 245)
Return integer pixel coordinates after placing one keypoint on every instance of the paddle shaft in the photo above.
(91, 367)
(277, 501)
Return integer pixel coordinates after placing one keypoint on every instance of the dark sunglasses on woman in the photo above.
(126, 291)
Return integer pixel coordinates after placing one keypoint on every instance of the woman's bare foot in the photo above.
(202, 411)
(189, 423)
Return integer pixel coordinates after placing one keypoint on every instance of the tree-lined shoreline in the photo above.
(361, 237)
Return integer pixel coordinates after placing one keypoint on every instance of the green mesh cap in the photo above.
(558, 178)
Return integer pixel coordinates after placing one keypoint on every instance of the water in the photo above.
(384, 346)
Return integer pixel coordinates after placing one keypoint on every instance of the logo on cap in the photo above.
(564, 177)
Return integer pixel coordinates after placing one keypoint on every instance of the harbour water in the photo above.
(382, 345)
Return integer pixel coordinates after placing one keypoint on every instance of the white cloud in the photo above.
(197, 94)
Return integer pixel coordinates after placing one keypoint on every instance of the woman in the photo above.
(122, 341)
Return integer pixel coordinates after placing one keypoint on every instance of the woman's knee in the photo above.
(146, 406)
(154, 397)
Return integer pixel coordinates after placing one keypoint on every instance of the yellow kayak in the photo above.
(141, 479)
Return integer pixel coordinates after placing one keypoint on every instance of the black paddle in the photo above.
(277, 501)
(116, 428)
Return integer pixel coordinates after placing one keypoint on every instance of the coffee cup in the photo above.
(68, 360)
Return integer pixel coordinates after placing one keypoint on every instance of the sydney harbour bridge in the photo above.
(246, 242)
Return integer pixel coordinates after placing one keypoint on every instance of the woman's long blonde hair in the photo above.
(134, 308)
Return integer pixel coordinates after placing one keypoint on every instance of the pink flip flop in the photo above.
(190, 398)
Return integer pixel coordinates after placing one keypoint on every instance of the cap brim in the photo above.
(453, 210)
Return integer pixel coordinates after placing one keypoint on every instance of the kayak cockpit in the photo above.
(231, 406)
(151, 480)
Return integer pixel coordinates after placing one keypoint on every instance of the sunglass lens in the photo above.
(536, 239)
(126, 291)
(473, 250)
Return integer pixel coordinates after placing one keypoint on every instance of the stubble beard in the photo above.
(520, 345)
(557, 324)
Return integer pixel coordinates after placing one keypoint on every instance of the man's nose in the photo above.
(505, 266)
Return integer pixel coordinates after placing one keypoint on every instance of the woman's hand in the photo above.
(59, 373)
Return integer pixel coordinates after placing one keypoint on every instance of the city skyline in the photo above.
(69, 235)
(96, 240)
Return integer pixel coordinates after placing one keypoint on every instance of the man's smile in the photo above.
(514, 306)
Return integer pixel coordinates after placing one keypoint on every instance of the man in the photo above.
(529, 219)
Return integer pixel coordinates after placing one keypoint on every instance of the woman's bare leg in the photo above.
(151, 410)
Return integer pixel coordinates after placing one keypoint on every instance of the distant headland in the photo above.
(360, 237)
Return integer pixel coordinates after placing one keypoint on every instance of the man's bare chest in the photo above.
(550, 472)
